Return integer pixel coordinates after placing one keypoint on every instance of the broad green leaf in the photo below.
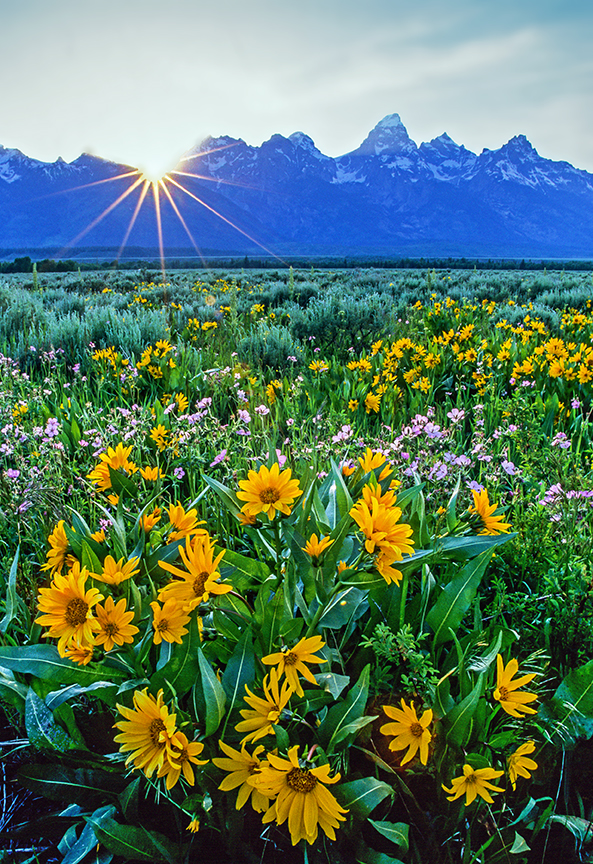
(226, 495)
(351, 729)
(181, 671)
(351, 601)
(258, 571)
(42, 730)
(397, 832)
(456, 598)
(85, 786)
(87, 840)
(519, 846)
(210, 694)
(54, 699)
(122, 484)
(458, 720)
(462, 548)
(573, 701)
(579, 828)
(44, 662)
(332, 682)
(362, 579)
(240, 669)
(11, 598)
(361, 797)
(271, 614)
(133, 843)
(346, 712)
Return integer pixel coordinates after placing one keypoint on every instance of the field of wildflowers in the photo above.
(297, 566)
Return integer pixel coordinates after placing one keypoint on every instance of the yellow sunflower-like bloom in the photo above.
(149, 520)
(169, 621)
(372, 492)
(300, 795)
(148, 733)
(116, 572)
(379, 526)
(519, 764)
(472, 783)
(268, 491)
(185, 524)
(372, 402)
(151, 472)
(200, 578)
(315, 547)
(512, 702)
(484, 509)
(67, 608)
(371, 461)
(115, 624)
(383, 563)
(292, 661)
(117, 460)
(179, 760)
(241, 766)
(410, 731)
(79, 653)
(56, 556)
(260, 721)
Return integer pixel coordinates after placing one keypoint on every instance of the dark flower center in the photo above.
(269, 496)
(503, 693)
(416, 730)
(76, 612)
(290, 659)
(154, 730)
(301, 781)
(199, 582)
(111, 628)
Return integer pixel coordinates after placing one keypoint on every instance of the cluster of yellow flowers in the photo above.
(153, 359)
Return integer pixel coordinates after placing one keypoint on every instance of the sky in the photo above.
(143, 81)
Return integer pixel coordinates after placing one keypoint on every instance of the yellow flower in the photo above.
(185, 523)
(473, 783)
(117, 460)
(200, 578)
(513, 703)
(370, 461)
(79, 653)
(372, 492)
(115, 624)
(56, 557)
(315, 548)
(169, 621)
(67, 609)
(268, 490)
(163, 346)
(319, 366)
(148, 731)
(194, 826)
(379, 525)
(352, 404)
(151, 472)
(98, 536)
(149, 520)
(114, 573)
(246, 519)
(241, 766)
(372, 402)
(292, 661)
(182, 402)
(159, 435)
(519, 764)
(178, 759)
(411, 732)
(300, 795)
(383, 563)
(266, 712)
(484, 509)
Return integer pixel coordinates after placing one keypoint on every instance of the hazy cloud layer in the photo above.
(135, 82)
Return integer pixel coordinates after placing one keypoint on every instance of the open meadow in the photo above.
(297, 566)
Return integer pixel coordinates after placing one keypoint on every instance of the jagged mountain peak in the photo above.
(388, 136)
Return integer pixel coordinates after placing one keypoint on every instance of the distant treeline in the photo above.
(26, 264)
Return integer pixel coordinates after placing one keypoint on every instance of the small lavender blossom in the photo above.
(12, 474)
(561, 440)
(244, 416)
(262, 410)
(456, 415)
(220, 457)
(509, 467)
(475, 487)
(179, 473)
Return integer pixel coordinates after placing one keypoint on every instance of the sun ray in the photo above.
(102, 215)
(181, 219)
(159, 225)
(133, 173)
(206, 152)
(228, 221)
(143, 192)
(212, 179)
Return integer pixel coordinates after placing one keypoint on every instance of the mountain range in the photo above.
(388, 197)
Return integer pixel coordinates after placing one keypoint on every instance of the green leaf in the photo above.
(135, 844)
(240, 669)
(12, 598)
(257, 570)
(226, 495)
(210, 694)
(340, 608)
(456, 598)
(361, 797)
(87, 840)
(55, 698)
(87, 787)
(181, 671)
(458, 720)
(122, 484)
(397, 832)
(332, 683)
(351, 729)
(362, 579)
(271, 613)
(346, 712)
(42, 730)
(519, 846)
(573, 701)
(462, 548)
(579, 828)
(44, 662)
